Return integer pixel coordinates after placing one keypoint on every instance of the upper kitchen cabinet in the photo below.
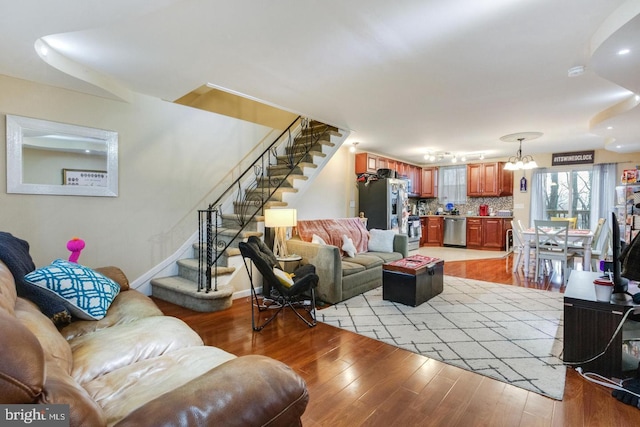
(390, 163)
(370, 163)
(489, 179)
(416, 181)
(429, 182)
(366, 163)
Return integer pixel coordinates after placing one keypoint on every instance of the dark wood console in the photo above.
(589, 325)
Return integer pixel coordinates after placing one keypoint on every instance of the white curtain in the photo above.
(603, 184)
(452, 184)
(538, 192)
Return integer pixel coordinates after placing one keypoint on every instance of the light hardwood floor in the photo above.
(356, 381)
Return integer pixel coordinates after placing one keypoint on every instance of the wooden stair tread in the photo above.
(192, 263)
(183, 286)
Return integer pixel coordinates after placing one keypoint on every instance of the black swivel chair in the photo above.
(300, 295)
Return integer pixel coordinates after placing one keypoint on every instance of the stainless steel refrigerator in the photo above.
(385, 203)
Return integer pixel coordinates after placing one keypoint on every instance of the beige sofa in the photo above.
(136, 367)
(342, 276)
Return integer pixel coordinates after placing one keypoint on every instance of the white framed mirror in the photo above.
(54, 158)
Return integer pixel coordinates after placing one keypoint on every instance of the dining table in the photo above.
(576, 238)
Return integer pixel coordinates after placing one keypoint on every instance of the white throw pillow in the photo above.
(348, 247)
(317, 240)
(381, 240)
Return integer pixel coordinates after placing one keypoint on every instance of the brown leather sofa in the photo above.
(137, 367)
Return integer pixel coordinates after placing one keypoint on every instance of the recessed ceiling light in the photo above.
(576, 71)
(623, 51)
(609, 127)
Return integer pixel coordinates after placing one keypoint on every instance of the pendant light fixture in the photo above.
(519, 162)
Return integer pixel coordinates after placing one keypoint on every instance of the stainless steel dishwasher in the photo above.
(455, 231)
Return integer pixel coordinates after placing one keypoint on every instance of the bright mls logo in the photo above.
(34, 415)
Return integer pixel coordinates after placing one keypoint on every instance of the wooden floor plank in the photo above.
(354, 380)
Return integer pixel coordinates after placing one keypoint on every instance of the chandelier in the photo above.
(519, 162)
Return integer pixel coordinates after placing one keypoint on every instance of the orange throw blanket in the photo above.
(332, 230)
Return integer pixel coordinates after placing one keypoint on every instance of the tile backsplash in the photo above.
(424, 206)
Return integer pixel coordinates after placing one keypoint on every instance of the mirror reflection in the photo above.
(46, 157)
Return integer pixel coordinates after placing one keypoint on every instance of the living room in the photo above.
(171, 161)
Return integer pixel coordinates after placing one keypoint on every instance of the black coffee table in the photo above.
(412, 280)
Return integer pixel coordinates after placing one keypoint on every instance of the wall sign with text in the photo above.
(573, 158)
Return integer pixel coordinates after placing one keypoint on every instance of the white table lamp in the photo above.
(280, 219)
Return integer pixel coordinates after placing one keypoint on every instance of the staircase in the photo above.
(277, 177)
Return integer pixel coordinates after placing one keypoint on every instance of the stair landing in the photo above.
(181, 291)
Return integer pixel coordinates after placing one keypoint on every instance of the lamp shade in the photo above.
(280, 217)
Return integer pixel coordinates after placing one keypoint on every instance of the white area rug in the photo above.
(504, 332)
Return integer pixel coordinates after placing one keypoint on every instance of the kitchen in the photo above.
(481, 221)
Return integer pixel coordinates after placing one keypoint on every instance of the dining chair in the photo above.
(552, 245)
(519, 246)
(577, 248)
(601, 251)
(573, 221)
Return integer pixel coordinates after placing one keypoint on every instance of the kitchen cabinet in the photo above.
(383, 163)
(414, 177)
(416, 183)
(370, 163)
(487, 233)
(366, 163)
(429, 187)
(474, 233)
(492, 233)
(489, 179)
(391, 164)
(432, 230)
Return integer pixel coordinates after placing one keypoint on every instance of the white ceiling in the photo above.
(405, 76)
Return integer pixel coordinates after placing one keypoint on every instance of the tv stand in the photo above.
(589, 325)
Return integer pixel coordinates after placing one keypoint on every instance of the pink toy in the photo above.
(75, 245)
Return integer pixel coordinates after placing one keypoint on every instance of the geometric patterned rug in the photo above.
(508, 333)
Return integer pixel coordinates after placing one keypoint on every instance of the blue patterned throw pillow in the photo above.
(87, 294)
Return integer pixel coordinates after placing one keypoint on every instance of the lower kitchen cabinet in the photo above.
(431, 231)
(487, 233)
(474, 233)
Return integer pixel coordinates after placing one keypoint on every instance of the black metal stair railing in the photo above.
(250, 199)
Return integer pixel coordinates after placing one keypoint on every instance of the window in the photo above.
(452, 185)
(567, 194)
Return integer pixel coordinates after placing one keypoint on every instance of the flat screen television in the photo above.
(620, 284)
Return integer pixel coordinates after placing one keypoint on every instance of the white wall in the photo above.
(170, 159)
(330, 194)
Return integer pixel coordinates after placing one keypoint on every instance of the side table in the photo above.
(290, 262)
(589, 325)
